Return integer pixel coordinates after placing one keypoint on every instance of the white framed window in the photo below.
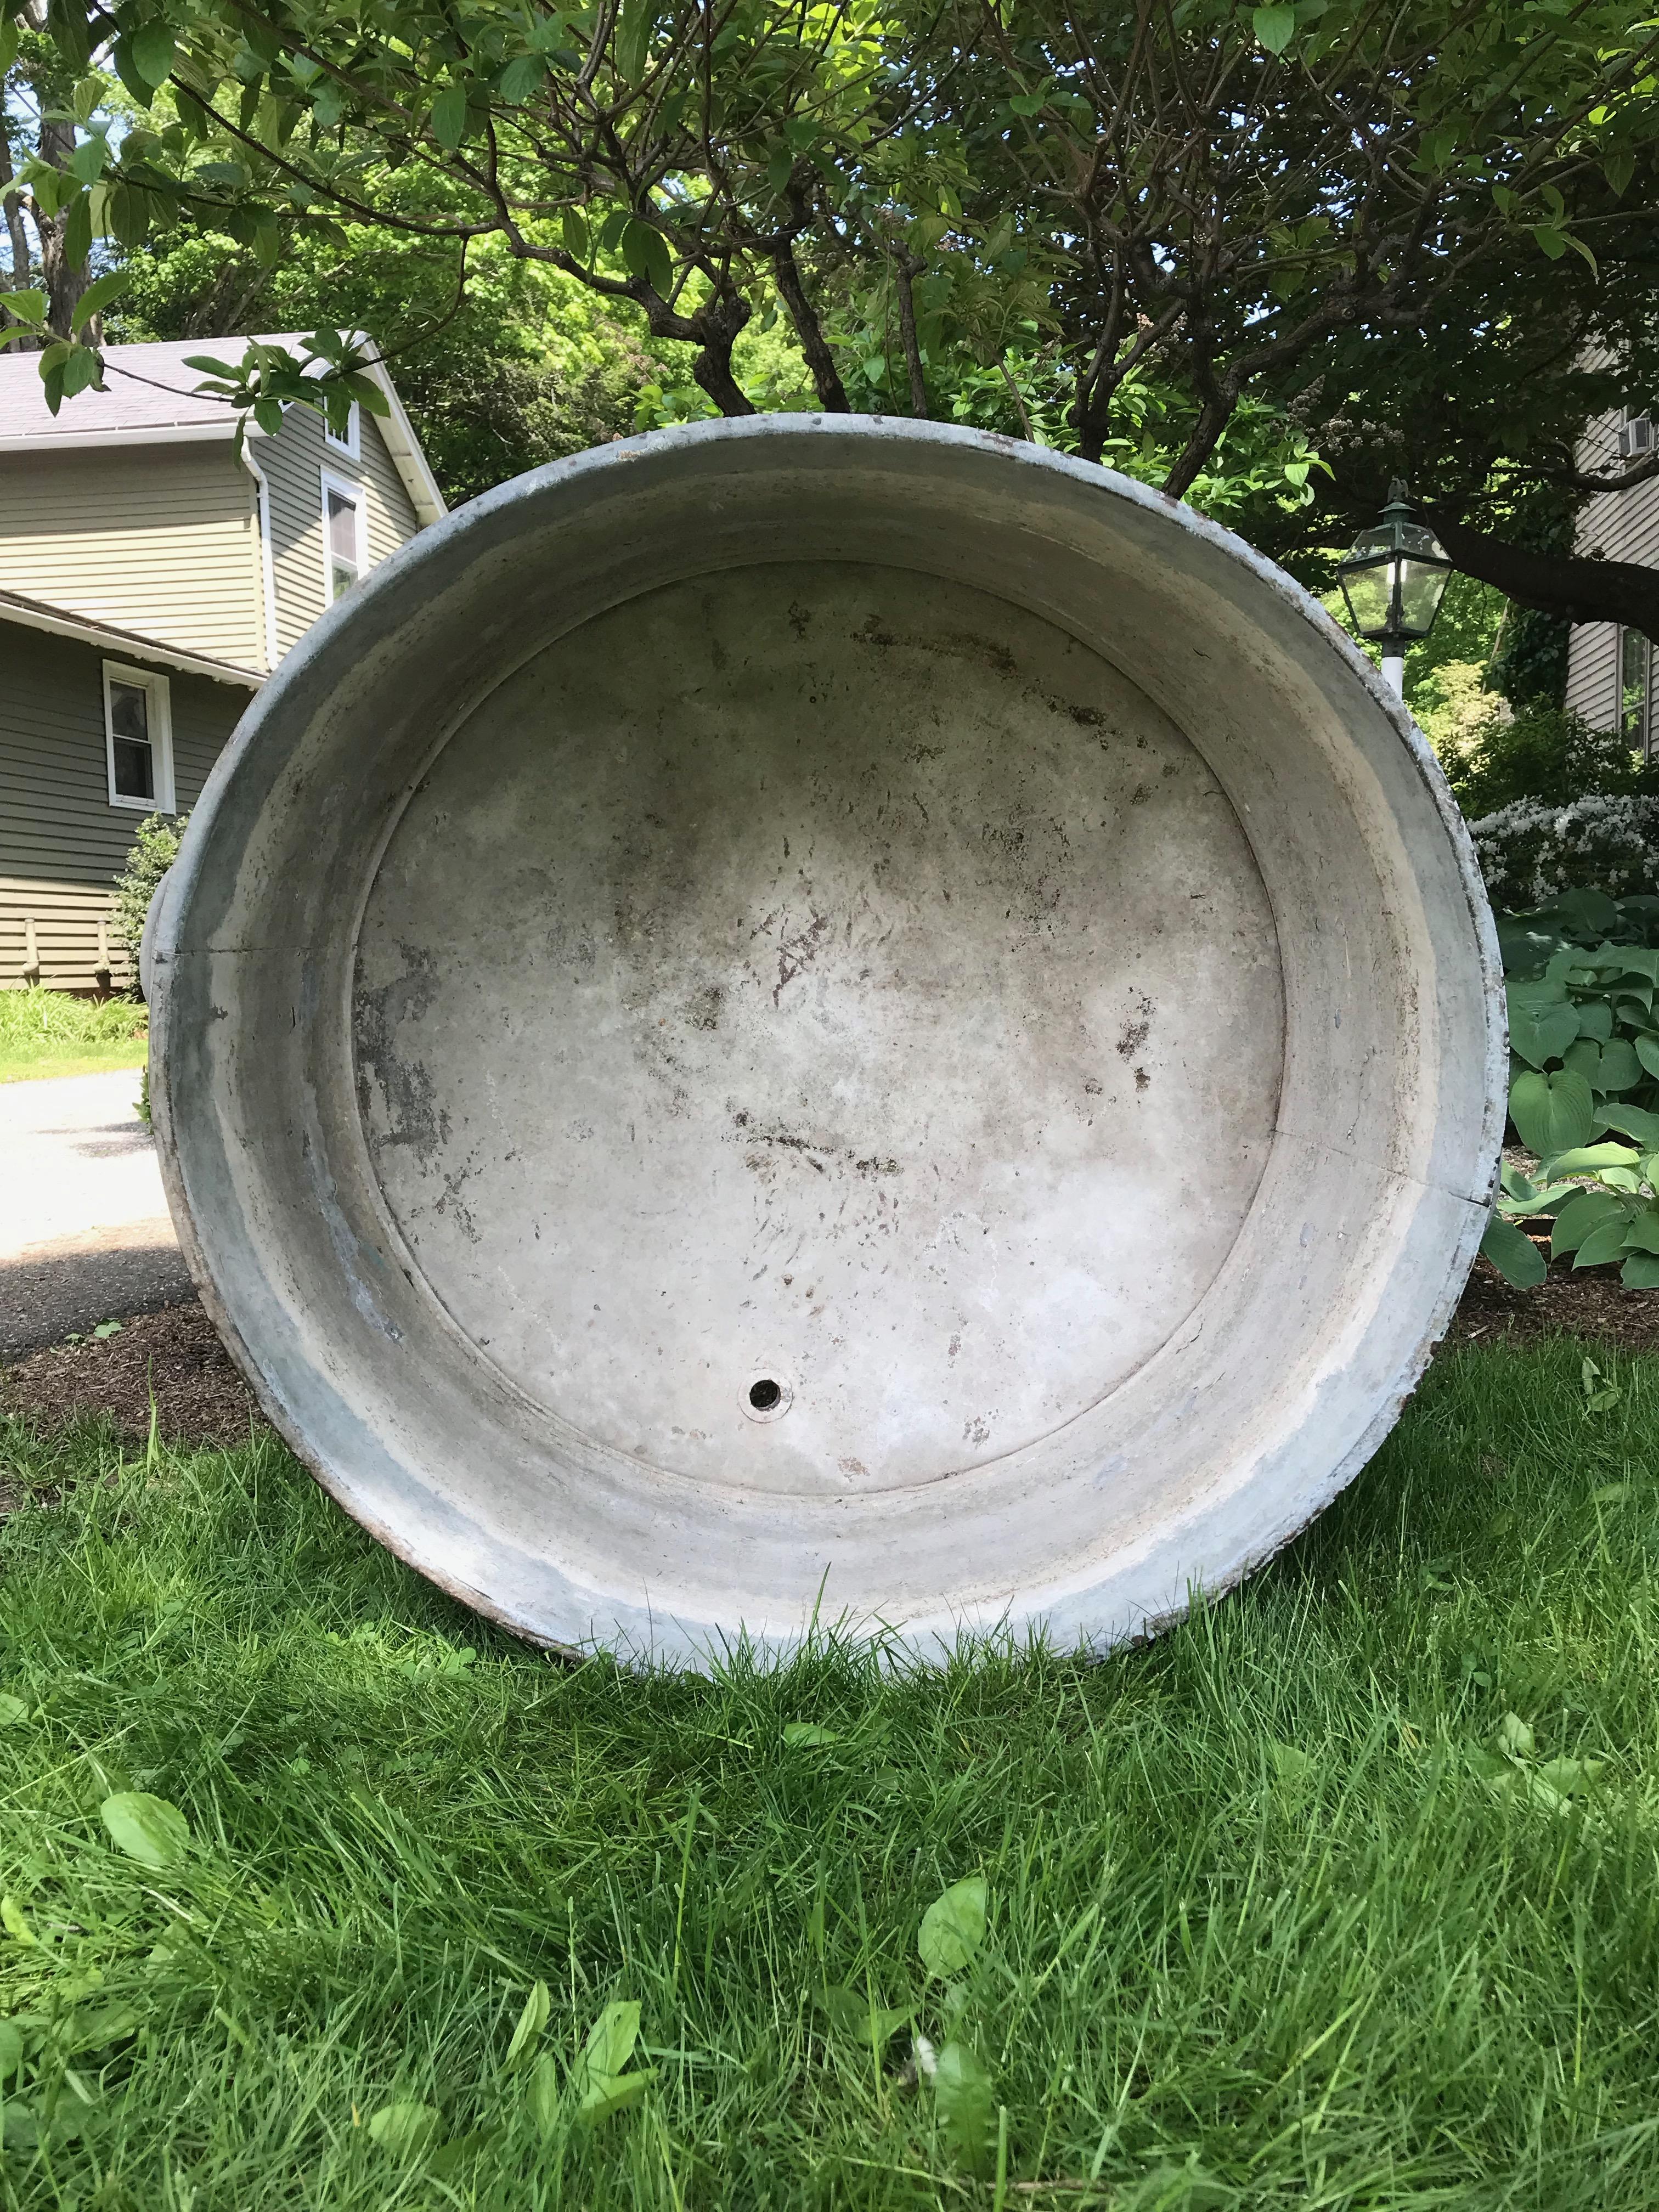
(139, 738)
(345, 540)
(352, 441)
(1636, 692)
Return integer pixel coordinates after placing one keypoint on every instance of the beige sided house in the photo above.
(149, 581)
(1610, 672)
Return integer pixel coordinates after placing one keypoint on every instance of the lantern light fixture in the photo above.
(1393, 581)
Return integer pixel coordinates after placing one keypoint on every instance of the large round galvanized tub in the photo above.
(828, 1020)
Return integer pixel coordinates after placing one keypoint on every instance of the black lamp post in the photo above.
(1394, 581)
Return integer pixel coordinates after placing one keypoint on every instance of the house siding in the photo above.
(293, 462)
(1620, 525)
(162, 539)
(61, 841)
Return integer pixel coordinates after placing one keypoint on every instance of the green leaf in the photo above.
(522, 79)
(859, 2018)
(632, 39)
(449, 116)
(1646, 1048)
(1513, 1253)
(1620, 1068)
(1568, 1777)
(1538, 1200)
(80, 370)
(450, 2157)
(804, 1734)
(1274, 27)
(28, 306)
(645, 250)
(1631, 1121)
(546, 2092)
(1552, 1112)
(87, 162)
(148, 1829)
(1540, 1027)
(1576, 1220)
(404, 2130)
(152, 48)
(1612, 1066)
(1515, 1737)
(12, 1710)
(1643, 1234)
(1585, 1159)
(1640, 1271)
(98, 295)
(1605, 1242)
(1553, 242)
(612, 2039)
(11, 2047)
(531, 2020)
(577, 243)
(953, 1927)
(1295, 1771)
(966, 2105)
(606, 2087)
(14, 1920)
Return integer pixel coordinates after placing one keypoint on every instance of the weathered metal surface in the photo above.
(832, 1017)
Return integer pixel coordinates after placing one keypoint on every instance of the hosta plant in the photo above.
(1604, 1204)
(1584, 1065)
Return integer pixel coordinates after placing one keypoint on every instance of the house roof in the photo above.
(150, 399)
(62, 622)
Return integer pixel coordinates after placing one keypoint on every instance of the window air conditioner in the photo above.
(1636, 438)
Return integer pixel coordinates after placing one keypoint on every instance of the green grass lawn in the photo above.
(1345, 1894)
(49, 1033)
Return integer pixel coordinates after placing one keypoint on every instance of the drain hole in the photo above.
(764, 1395)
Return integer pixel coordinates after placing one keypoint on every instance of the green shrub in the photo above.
(154, 849)
(1496, 759)
(1582, 979)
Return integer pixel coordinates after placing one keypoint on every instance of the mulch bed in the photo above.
(174, 1356)
(1595, 1304)
(200, 1397)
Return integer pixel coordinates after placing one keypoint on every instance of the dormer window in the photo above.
(350, 441)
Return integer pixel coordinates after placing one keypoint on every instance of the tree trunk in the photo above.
(820, 361)
(1577, 590)
(63, 285)
(22, 261)
(715, 329)
(906, 266)
(1213, 418)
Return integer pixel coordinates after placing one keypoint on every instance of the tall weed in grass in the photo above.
(46, 1032)
(1343, 1893)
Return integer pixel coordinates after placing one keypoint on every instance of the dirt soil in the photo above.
(201, 1399)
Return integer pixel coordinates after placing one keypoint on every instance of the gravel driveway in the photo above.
(84, 1227)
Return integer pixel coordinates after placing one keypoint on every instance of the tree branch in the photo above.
(1567, 585)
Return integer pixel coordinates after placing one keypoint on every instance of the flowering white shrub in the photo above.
(1531, 852)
